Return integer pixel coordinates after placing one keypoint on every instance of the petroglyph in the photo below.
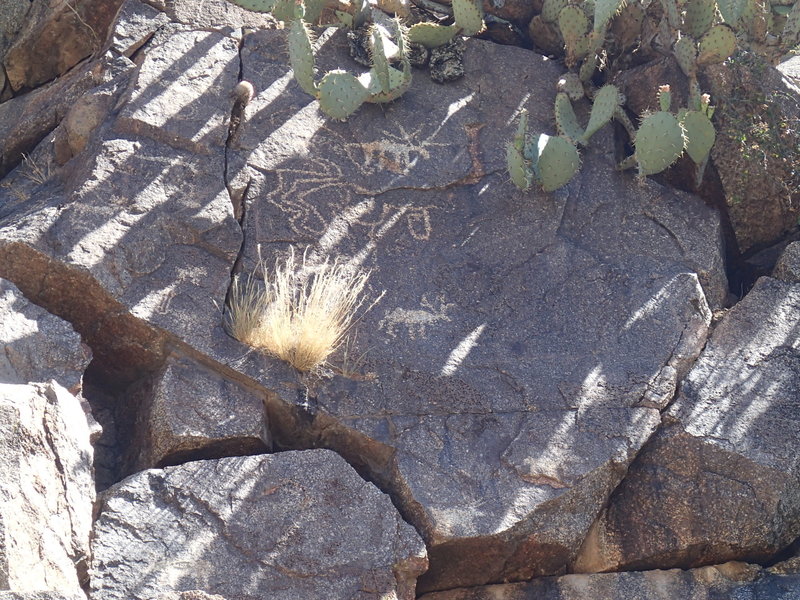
(417, 321)
(395, 152)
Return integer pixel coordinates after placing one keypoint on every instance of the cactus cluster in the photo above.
(341, 93)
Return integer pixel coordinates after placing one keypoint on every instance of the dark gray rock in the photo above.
(721, 480)
(80, 26)
(46, 490)
(526, 342)
(37, 346)
(720, 582)
(282, 526)
(187, 410)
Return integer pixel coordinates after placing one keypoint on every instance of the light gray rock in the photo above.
(788, 266)
(135, 24)
(45, 596)
(282, 526)
(217, 14)
(46, 490)
(187, 410)
(526, 342)
(720, 582)
(721, 480)
(37, 346)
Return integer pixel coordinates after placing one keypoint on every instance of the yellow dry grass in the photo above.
(300, 314)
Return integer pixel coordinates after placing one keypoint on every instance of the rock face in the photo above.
(46, 489)
(511, 394)
(37, 346)
(721, 582)
(721, 479)
(788, 266)
(283, 526)
(188, 410)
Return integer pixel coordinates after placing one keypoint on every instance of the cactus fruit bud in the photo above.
(558, 162)
(243, 92)
(566, 121)
(659, 142)
(716, 45)
(664, 97)
(699, 134)
(605, 103)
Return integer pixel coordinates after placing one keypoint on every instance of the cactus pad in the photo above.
(685, 52)
(558, 162)
(519, 167)
(573, 23)
(431, 35)
(571, 85)
(301, 56)
(550, 10)
(603, 11)
(566, 121)
(340, 94)
(606, 101)
(468, 16)
(716, 45)
(700, 134)
(699, 17)
(731, 10)
(659, 142)
(263, 6)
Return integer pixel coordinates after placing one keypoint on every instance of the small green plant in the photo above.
(298, 313)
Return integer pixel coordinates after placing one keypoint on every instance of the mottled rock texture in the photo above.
(36, 345)
(720, 582)
(282, 526)
(721, 480)
(526, 342)
(788, 266)
(46, 489)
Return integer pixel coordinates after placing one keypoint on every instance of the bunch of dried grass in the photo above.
(299, 314)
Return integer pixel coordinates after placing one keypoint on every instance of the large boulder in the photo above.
(526, 342)
(46, 490)
(721, 480)
(720, 582)
(282, 526)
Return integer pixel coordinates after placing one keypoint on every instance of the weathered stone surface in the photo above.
(526, 342)
(142, 227)
(44, 596)
(217, 14)
(187, 410)
(37, 346)
(135, 24)
(26, 120)
(721, 582)
(788, 266)
(282, 526)
(46, 489)
(721, 481)
(12, 17)
(55, 37)
(755, 153)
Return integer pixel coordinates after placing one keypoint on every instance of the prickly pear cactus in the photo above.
(659, 142)
(301, 56)
(340, 94)
(716, 45)
(519, 167)
(606, 102)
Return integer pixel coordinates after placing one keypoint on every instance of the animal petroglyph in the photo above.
(395, 152)
(416, 321)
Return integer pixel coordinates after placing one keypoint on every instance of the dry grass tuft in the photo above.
(299, 314)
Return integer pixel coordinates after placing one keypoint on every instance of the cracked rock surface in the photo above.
(286, 526)
(721, 479)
